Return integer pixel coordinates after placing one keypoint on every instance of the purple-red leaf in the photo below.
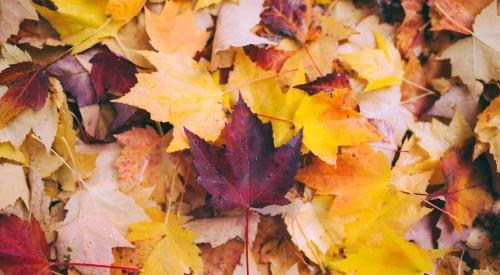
(267, 58)
(74, 79)
(28, 88)
(249, 172)
(23, 247)
(326, 83)
(112, 72)
(287, 17)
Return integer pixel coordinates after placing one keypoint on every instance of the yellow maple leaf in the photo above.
(360, 177)
(175, 32)
(124, 9)
(381, 67)
(329, 121)
(82, 23)
(200, 4)
(259, 88)
(393, 255)
(488, 129)
(8, 151)
(175, 253)
(183, 93)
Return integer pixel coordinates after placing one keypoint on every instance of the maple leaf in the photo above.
(326, 83)
(381, 67)
(13, 12)
(466, 189)
(455, 15)
(410, 258)
(183, 93)
(250, 172)
(123, 9)
(329, 120)
(79, 22)
(112, 72)
(101, 196)
(477, 57)
(217, 231)
(267, 58)
(16, 130)
(89, 239)
(234, 24)
(28, 88)
(288, 17)
(357, 168)
(174, 253)
(487, 129)
(12, 185)
(23, 249)
(175, 32)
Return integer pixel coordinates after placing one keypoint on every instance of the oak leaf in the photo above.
(250, 172)
(175, 31)
(183, 93)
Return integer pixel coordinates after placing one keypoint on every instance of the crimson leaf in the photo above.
(326, 83)
(249, 172)
(287, 17)
(23, 247)
(28, 88)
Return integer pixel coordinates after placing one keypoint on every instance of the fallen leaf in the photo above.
(393, 255)
(477, 57)
(175, 253)
(234, 24)
(487, 129)
(217, 231)
(79, 22)
(267, 58)
(28, 88)
(89, 239)
(263, 173)
(183, 93)
(287, 17)
(359, 177)
(327, 83)
(24, 249)
(13, 12)
(410, 34)
(467, 183)
(123, 9)
(175, 31)
(455, 15)
(323, 116)
(100, 196)
(381, 67)
(222, 259)
(13, 185)
(8, 151)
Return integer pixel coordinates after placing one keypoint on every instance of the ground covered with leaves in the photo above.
(250, 137)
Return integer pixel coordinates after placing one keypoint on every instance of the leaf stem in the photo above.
(247, 222)
(133, 269)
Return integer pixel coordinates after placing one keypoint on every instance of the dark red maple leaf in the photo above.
(287, 17)
(112, 72)
(28, 88)
(23, 247)
(326, 83)
(267, 58)
(249, 172)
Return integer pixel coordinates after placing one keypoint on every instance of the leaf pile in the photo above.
(249, 137)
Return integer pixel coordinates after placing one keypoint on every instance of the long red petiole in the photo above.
(134, 269)
(247, 221)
